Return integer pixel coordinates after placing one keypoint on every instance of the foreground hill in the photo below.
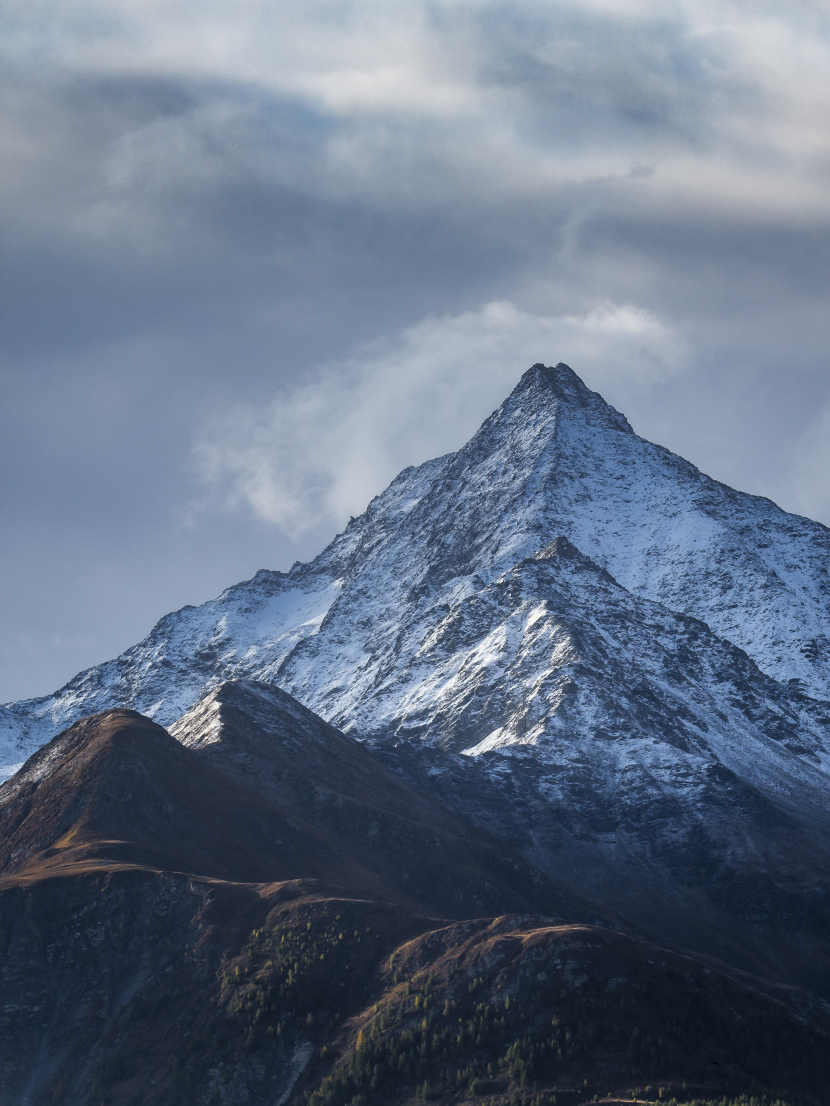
(177, 924)
(131, 986)
(116, 789)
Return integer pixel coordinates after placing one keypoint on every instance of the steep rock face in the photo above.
(633, 750)
(555, 459)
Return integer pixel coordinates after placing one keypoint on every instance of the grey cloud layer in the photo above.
(211, 210)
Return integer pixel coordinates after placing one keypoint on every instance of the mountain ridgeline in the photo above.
(518, 793)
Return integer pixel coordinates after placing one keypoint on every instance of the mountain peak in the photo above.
(490, 504)
(561, 547)
(559, 375)
(543, 384)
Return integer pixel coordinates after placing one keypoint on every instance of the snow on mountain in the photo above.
(384, 633)
(624, 714)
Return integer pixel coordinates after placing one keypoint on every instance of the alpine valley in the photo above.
(519, 793)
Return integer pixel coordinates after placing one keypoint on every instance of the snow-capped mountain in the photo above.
(378, 634)
(575, 639)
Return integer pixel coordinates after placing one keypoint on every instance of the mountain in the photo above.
(592, 652)
(652, 762)
(344, 633)
(145, 959)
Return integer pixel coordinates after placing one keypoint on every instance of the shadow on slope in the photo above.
(118, 789)
(418, 849)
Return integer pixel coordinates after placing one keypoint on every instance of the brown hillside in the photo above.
(263, 916)
(416, 846)
(118, 789)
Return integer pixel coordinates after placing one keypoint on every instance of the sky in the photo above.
(259, 256)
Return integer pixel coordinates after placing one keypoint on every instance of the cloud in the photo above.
(203, 203)
(324, 449)
(423, 104)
